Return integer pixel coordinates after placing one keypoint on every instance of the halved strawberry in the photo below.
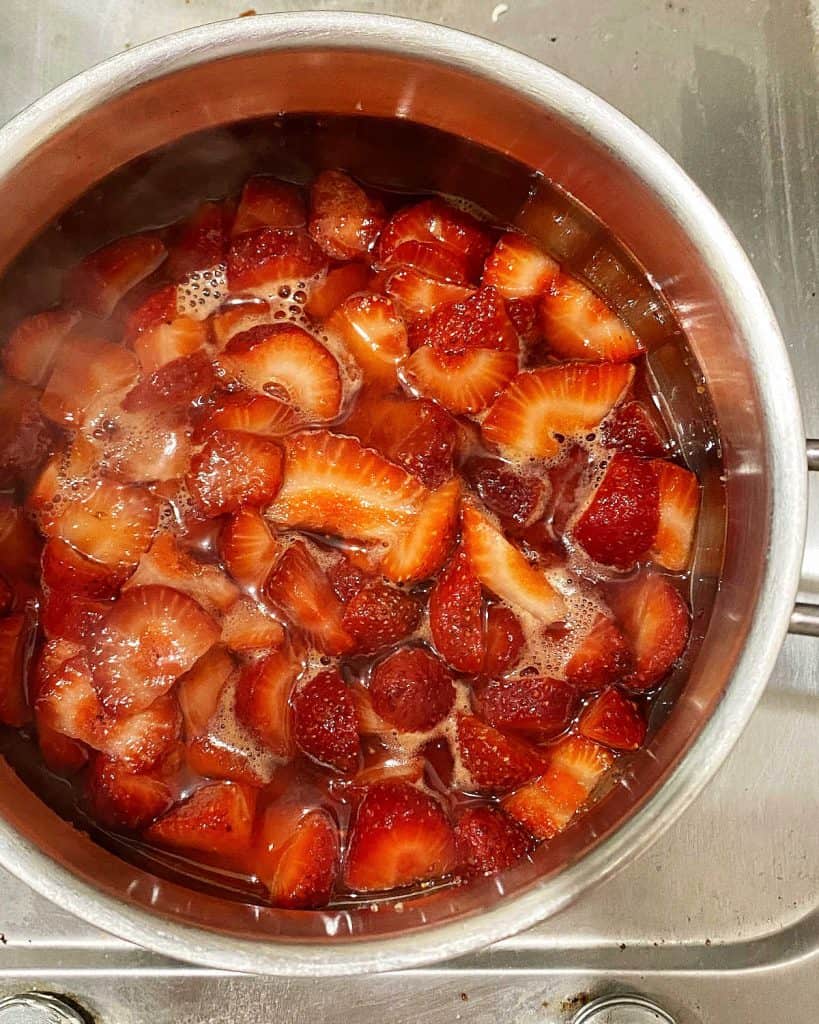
(602, 656)
(411, 690)
(19, 543)
(165, 562)
(15, 644)
(285, 361)
(216, 818)
(234, 469)
(300, 588)
(515, 496)
(85, 371)
(199, 689)
(495, 763)
(122, 798)
(374, 334)
(434, 220)
(258, 262)
(250, 413)
(325, 722)
(297, 856)
(432, 260)
(269, 203)
(400, 835)
(456, 615)
(418, 551)
(69, 616)
(488, 841)
(249, 549)
(480, 321)
(176, 385)
(536, 706)
(338, 284)
(64, 568)
(679, 493)
(541, 404)
(61, 754)
(504, 571)
(656, 621)
(463, 384)
(247, 627)
(630, 428)
(262, 700)
(150, 637)
(159, 334)
(101, 279)
(344, 221)
(614, 720)
(546, 806)
(518, 268)
(619, 524)
(32, 348)
(380, 615)
(417, 296)
(200, 242)
(504, 641)
(579, 325)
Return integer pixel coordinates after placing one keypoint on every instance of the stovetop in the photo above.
(719, 922)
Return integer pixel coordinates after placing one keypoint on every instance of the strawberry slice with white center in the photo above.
(480, 321)
(123, 799)
(297, 856)
(15, 643)
(234, 469)
(578, 324)
(374, 334)
(338, 284)
(285, 361)
(247, 628)
(159, 334)
(542, 406)
(456, 615)
(601, 657)
(249, 549)
(614, 720)
(258, 262)
(344, 221)
(679, 504)
(436, 221)
(150, 637)
(216, 818)
(400, 835)
(464, 384)
(68, 616)
(251, 413)
(420, 550)
(200, 242)
(86, 372)
(101, 279)
(518, 268)
(504, 571)
(199, 689)
(269, 203)
(546, 806)
(64, 568)
(167, 564)
(416, 295)
(432, 260)
(494, 762)
(32, 348)
(656, 621)
(263, 700)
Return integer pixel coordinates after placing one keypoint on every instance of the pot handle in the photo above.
(805, 617)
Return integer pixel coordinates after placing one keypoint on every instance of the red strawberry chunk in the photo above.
(464, 384)
(436, 221)
(536, 706)
(432, 260)
(216, 818)
(494, 762)
(524, 315)
(379, 615)
(234, 469)
(346, 578)
(25, 438)
(199, 689)
(19, 543)
(200, 242)
(656, 621)
(601, 657)
(325, 722)
(481, 321)
(630, 428)
(417, 296)
(614, 720)
(249, 549)
(488, 841)
(679, 495)
(212, 758)
(85, 372)
(32, 348)
(374, 334)
(61, 755)
(98, 283)
(6, 595)
(65, 569)
(166, 563)
(400, 835)
(15, 648)
(262, 700)
(123, 799)
(504, 641)
(248, 627)
(420, 550)
(258, 262)
(338, 284)
(518, 268)
(297, 857)
(158, 334)
(456, 615)
(578, 324)
(175, 385)
(344, 221)
(251, 414)
(514, 496)
(411, 690)
(269, 203)
(70, 616)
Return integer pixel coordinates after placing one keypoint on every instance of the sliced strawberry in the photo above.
(344, 221)
(619, 524)
(166, 563)
(566, 478)
(32, 348)
(524, 314)
(285, 361)
(159, 334)
(679, 496)
(417, 296)
(15, 647)
(374, 334)
(175, 385)
(298, 857)
(200, 242)
(240, 316)
(25, 437)
(199, 689)
(603, 656)
(420, 550)
(300, 588)
(247, 627)
(123, 799)
(262, 700)
(252, 414)
(630, 428)
(518, 268)
(61, 755)
(143, 738)
(70, 616)
(504, 641)
(411, 690)
(100, 280)
(258, 262)
(519, 497)
(614, 720)
(436, 221)
(151, 636)
(541, 404)
(325, 722)
(269, 203)
(146, 446)
(456, 615)
(480, 321)
(19, 543)
(346, 578)
(400, 835)
(488, 841)
(338, 285)
(249, 549)
(387, 766)
(234, 469)
(216, 818)
(463, 384)
(504, 571)
(432, 260)
(85, 372)
(494, 762)
(579, 325)
(536, 706)
(380, 615)
(65, 569)
(656, 621)
(213, 758)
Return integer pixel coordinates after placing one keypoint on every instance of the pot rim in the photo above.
(732, 272)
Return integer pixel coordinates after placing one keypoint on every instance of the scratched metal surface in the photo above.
(720, 920)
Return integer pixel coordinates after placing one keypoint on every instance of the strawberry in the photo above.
(217, 818)
(613, 720)
(61, 755)
(504, 571)
(463, 384)
(25, 437)
(346, 578)
(432, 261)
(539, 405)
(536, 706)
(421, 549)
(200, 242)
(213, 758)
(480, 321)
(380, 615)
(504, 641)
(67, 470)
(258, 262)
(64, 568)
(518, 268)
(579, 325)
(32, 348)
(262, 696)
(494, 762)
(400, 835)
(298, 857)
(411, 690)
(101, 279)
(679, 498)
(269, 203)
(618, 525)
(387, 766)
(247, 627)
(325, 722)
(456, 615)
(166, 563)
(524, 314)
(19, 542)
(150, 637)
(370, 723)
(64, 615)
(177, 384)
(344, 221)
(300, 588)
(519, 497)
(6, 595)
(338, 285)
(630, 428)
(199, 689)
(545, 806)
(286, 361)
(234, 469)
(566, 478)
(434, 220)
(123, 799)
(416, 295)
(159, 334)
(86, 372)
(656, 621)
(238, 317)
(15, 648)
(374, 334)
(145, 446)
(142, 738)
(601, 657)
(488, 841)
(250, 413)
(249, 549)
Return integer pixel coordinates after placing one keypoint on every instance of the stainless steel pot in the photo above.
(518, 110)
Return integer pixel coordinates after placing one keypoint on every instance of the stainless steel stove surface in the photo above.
(719, 922)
